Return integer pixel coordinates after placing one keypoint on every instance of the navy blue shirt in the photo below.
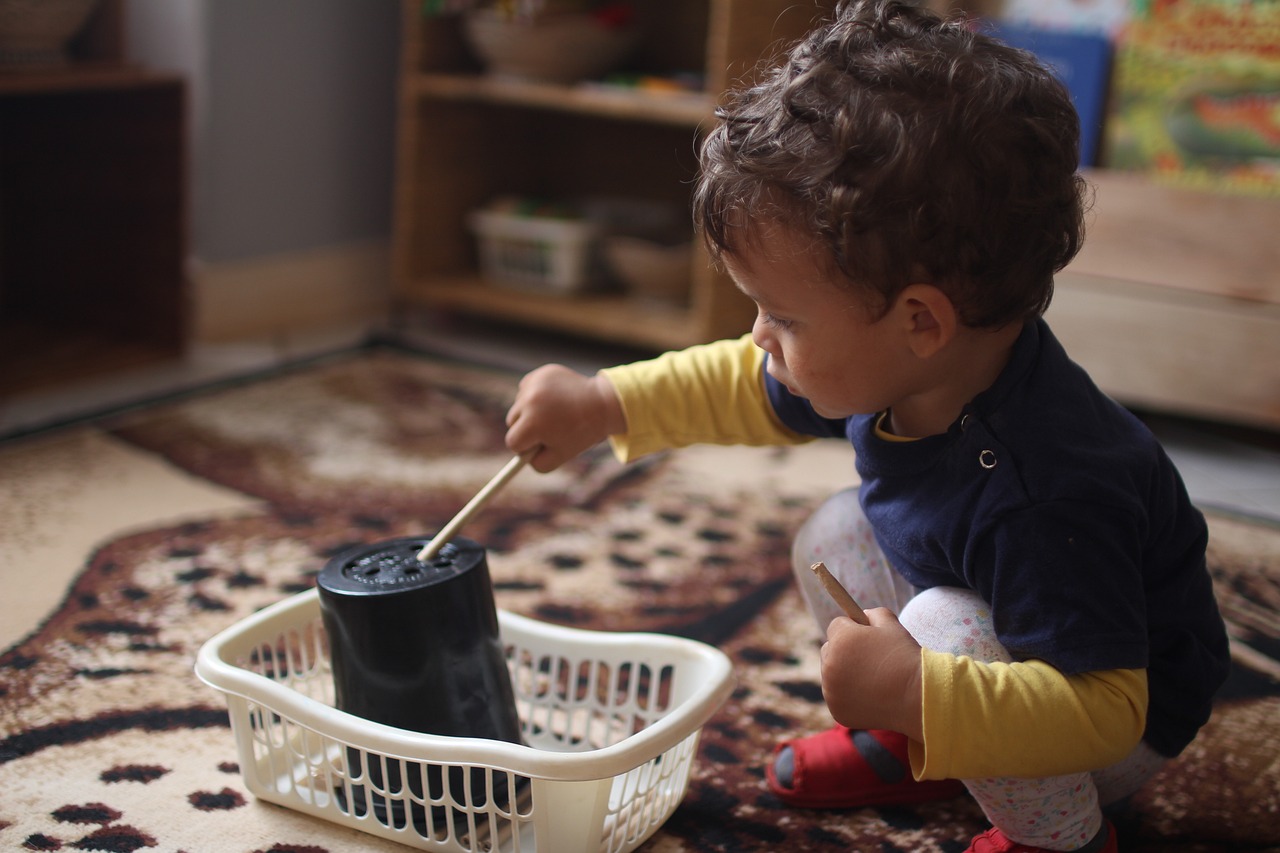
(1060, 509)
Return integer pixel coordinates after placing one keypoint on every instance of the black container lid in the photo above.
(392, 566)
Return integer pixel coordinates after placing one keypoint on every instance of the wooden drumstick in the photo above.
(840, 594)
(473, 506)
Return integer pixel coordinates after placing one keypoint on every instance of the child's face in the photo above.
(824, 342)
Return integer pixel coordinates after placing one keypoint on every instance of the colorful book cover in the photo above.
(1081, 60)
(1196, 96)
(1157, 8)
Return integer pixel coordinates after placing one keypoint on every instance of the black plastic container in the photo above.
(415, 645)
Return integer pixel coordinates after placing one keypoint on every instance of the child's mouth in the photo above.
(791, 389)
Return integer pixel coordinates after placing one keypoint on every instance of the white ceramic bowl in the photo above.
(554, 48)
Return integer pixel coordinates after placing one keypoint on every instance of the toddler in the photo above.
(895, 198)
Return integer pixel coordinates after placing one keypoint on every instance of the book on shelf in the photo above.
(1081, 59)
(1196, 96)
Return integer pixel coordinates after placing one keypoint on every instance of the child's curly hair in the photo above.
(914, 150)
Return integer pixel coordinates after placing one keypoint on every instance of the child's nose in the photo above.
(761, 336)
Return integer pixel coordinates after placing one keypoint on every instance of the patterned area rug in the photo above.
(109, 742)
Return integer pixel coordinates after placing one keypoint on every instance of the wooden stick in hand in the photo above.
(473, 506)
(840, 594)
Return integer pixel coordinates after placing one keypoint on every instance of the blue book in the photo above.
(1082, 61)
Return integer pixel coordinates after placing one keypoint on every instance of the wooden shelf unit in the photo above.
(92, 214)
(465, 138)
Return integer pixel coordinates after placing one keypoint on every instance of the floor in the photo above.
(1223, 468)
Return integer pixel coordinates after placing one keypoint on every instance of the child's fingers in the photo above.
(881, 616)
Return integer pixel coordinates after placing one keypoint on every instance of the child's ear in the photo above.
(929, 318)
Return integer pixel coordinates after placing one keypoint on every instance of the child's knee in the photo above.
(835, 527)
(954, 620)
(839, 535)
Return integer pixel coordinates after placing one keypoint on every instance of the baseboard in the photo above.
(287, 294)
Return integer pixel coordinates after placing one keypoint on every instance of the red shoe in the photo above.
(995, 841)
(841, 768)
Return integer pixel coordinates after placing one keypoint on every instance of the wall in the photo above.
(292, 143)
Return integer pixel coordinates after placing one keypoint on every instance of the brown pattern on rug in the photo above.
(109, 742)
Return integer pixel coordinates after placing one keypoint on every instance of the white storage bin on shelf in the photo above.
(610, 722)
(543, 252)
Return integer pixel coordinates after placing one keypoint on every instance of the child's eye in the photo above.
(776, 322)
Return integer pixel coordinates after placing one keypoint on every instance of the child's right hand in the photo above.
(563, 413)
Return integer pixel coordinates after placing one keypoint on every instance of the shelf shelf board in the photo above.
(679, 109)
(613, 317)
(80, 77)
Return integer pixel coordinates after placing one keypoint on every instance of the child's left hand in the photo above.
(871, 674)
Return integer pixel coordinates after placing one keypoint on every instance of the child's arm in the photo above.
(707, 394)
(711, 393)
(1025, 718)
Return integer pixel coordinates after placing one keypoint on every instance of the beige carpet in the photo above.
(63, 494)
(127, 543)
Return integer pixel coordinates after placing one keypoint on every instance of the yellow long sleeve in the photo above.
(1024, 719)
(706, 394)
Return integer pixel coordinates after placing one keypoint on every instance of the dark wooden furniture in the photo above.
(92, 214)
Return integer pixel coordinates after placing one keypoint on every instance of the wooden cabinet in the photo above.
(465, 138)
(92, 214)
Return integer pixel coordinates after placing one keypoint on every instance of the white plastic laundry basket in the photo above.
(610, 723)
